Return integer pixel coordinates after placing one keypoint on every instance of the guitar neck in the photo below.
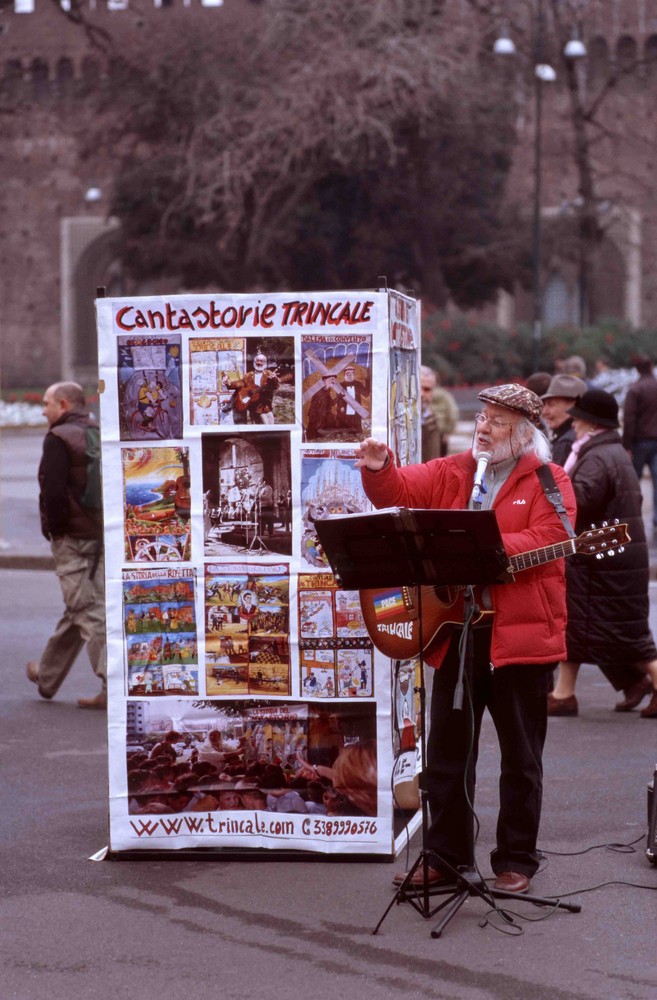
(537, 557)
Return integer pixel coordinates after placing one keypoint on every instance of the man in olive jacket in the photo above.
(75, 535)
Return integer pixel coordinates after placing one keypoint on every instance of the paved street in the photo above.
(75, 928)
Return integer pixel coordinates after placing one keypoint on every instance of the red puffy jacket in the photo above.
(530, 615)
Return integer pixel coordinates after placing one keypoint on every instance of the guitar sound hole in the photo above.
(444, 595)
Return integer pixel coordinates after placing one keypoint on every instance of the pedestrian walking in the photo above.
(607, 600)
(73, 525)
(640, 425)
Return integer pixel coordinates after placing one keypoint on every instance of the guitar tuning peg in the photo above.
(599, 555)
(592, 527)
(604, 524)
(621, 548)
(612, 552)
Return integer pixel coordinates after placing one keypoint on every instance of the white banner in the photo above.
(247, 705)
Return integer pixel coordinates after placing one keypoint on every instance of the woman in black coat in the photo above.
(607, 599)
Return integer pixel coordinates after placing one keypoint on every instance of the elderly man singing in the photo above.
(514, 650)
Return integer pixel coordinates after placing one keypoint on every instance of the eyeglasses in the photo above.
(482, 418)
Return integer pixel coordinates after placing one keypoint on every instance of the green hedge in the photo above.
(469, 353)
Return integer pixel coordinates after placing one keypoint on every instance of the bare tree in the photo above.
(230, 156)
(594, 127)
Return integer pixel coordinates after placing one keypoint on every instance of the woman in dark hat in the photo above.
(607, 599)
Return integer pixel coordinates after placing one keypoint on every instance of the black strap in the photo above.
(553, 494)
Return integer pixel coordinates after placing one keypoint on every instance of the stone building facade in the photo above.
(58, 245)
(57, 242)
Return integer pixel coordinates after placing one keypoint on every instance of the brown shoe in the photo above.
(434, 877)
(650, 711)
(99, 701)
(512, 882)
(634, 695)
(32, 671)
(562, 706)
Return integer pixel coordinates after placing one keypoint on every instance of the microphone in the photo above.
(483, 461)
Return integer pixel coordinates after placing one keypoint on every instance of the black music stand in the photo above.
(401, 547)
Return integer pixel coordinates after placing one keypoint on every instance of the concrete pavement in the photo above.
(22, 545)
(71, 927)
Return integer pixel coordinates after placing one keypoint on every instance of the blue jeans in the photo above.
(644, 452)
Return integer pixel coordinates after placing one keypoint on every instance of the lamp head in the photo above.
(504, 46)
(545, 73)
(575, 49)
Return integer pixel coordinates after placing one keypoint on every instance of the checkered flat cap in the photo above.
(515, 397)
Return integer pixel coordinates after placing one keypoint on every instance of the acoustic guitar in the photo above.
(391, 616)
(249, 395)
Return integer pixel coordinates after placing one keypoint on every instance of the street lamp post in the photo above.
(543, 73)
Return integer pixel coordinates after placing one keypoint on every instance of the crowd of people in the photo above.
(176, 776)
(607, 600)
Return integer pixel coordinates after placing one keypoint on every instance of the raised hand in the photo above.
(372, 455)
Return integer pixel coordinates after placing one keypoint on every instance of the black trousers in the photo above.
(621, 676)
(516, 697)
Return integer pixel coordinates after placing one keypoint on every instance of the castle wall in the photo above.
(52, 71)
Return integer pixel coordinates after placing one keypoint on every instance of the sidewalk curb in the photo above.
(19, 560)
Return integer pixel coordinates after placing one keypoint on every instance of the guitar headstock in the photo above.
(602, 540)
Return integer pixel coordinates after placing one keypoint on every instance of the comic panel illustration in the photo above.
(337, 388)
(404, 416)
(318, 673)
(404, 320)
(407, 732)
(335, 656)
(247, 497)
(406, 721)
(329, 485)
(156, 492)
(316, 614)
(355, 676)
(150, 401)
(247, 629)
(159, 626)
(282, 757)
(242, 380)
(348, 615)
(211, 361)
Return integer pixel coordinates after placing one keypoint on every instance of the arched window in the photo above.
(559, 306)
(119, 71)
(626, 64)
(607, 291)
(64, 75)
(650, 56)
(90, 72)
(598, 61)
(13, 79)
(40, 75)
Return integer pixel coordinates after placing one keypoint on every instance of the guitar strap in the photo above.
(553, 494)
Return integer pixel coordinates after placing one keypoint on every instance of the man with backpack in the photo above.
(71, 518)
